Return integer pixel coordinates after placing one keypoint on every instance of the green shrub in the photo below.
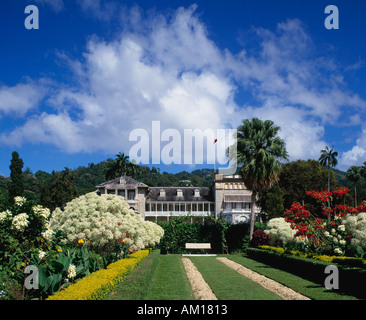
(179, 231)
(235, 236)
(313, 269)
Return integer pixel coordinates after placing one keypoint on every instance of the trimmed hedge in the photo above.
(97, 285)
(178, 231)
(223, 238)
(346, 261)
(351, 279)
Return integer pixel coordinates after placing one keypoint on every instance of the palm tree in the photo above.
(133, 169)
(123, 163)
(354, 173)
(328, 158)
(259, 151)
(117, 167)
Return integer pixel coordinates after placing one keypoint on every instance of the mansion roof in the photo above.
(123, 182)
(182, 194)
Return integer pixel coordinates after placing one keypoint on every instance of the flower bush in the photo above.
(259, 238)
(104, 222)
(343, 232)
(355, 226)
(24, 227)
(88, 235)
(280, 231)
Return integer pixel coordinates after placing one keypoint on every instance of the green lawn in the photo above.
(136, 284)
(157, 277)
(305, 287)
(227, 284)
(163, 277)
(170, 281)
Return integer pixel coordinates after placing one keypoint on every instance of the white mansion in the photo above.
(227, 197)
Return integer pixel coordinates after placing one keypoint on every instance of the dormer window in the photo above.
(162, 193)
(180, 193)
(196, 193)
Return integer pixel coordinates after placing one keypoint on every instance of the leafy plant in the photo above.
(57, 271)
(259, 238)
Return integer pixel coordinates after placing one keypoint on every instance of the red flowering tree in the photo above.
(302, 220)
(324, 236)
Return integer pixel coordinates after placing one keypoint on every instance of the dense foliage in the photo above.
(67, 245)
(16, 186)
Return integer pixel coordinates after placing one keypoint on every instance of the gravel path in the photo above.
(201, 289)
(277, 288)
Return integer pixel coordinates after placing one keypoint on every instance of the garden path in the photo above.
(202, 291)
(277, 288)
(200, 288)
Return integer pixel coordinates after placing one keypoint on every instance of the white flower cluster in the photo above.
(41, 254)
(334, 236)
(41, 212)
(48, 233)
(19, 201)
(5, 215)
(71, 271)
(338, 251)
(356, 227)
(20, 222)
(104, 219)
(278, 229)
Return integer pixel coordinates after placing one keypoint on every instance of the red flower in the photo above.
(327, 210)
(341, 191)
(319, 195)
(362, 207)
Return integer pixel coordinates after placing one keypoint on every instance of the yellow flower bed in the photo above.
(97, 285)
(275, 249)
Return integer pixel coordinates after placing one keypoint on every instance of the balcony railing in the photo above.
(177, 213)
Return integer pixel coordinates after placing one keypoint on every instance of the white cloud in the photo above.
(16, 101)
(356, 155)
(166, 68)
(303, 137)
(286, 69)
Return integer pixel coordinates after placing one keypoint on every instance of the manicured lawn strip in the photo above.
(305, 287)
(169, 281)
(136, 285)
(227, 284)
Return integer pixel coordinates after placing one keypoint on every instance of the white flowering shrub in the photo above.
(26, 221)
(356, 227)
(279, 230)
(104, 220)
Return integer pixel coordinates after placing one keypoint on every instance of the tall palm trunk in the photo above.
(252, 214)
(328, 191)
(328, 178)
(355, 196)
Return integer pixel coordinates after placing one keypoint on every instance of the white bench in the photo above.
(198, 246)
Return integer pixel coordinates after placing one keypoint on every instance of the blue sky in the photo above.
(73, 90)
